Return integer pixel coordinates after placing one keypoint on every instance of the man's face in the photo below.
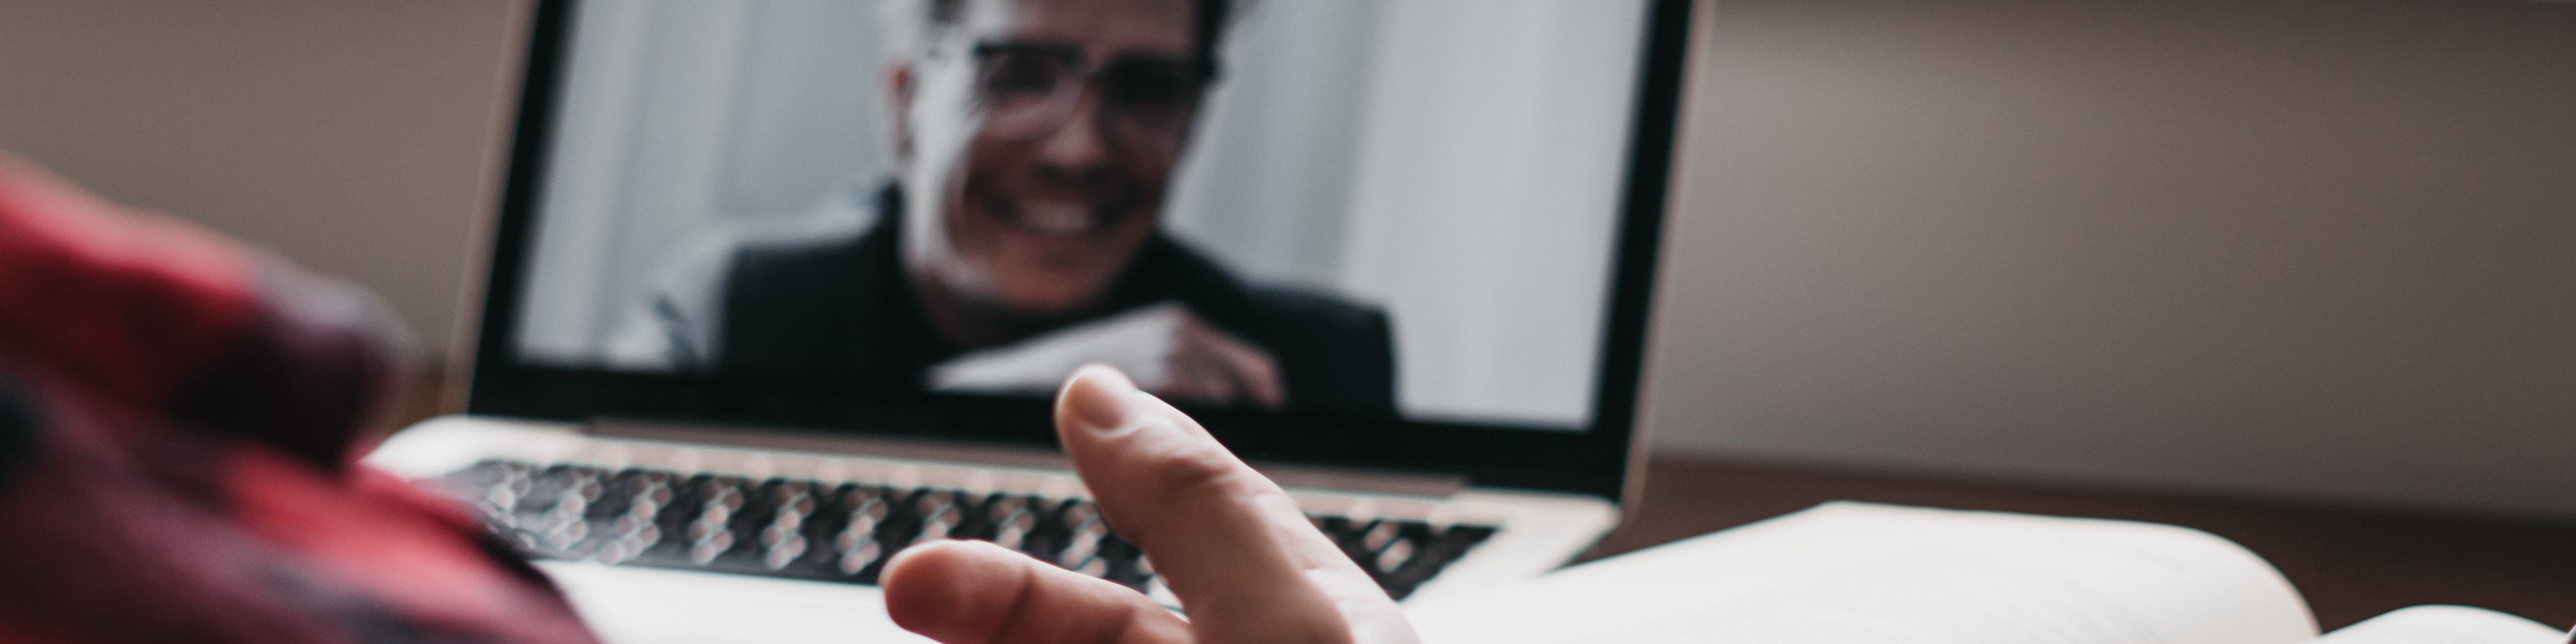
(1048, 137)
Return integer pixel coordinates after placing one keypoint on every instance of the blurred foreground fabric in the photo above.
(179, 422)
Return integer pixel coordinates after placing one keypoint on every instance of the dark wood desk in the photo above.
(2351, 564)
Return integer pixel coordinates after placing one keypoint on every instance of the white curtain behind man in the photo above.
(1458, 161)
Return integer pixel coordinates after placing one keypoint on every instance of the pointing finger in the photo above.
(1243, 560)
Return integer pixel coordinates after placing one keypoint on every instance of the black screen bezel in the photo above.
(1593, 462)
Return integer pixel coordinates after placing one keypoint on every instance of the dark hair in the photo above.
(1207, 27)
(1210, 32)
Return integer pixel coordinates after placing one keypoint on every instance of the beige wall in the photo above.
(2307, 247)
(2316, 247)
(348, 135)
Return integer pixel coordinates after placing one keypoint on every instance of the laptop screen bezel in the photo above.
(1594, 461)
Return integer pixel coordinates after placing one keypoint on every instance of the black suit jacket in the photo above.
(844, 311)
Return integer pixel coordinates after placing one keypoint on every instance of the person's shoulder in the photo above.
(799, 248)
(788, 279)
(730, 265)
(759, 261)
(810, 255)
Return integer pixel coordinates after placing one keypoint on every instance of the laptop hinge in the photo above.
(1294, 476)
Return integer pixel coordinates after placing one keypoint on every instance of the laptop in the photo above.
(777, 288)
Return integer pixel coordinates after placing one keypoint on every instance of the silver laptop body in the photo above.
(682, 493)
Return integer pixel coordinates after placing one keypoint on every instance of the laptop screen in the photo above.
(1416, 211)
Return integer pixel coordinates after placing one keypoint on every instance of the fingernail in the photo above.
(1097, 396)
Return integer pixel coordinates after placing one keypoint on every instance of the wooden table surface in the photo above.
(2350, 564)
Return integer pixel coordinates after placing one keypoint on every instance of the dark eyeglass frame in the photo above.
(1145, 98)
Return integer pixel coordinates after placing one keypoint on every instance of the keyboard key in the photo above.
(844, 532)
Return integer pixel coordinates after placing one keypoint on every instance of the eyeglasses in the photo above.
(1029, 91)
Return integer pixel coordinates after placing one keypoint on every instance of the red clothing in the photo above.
(179, 422)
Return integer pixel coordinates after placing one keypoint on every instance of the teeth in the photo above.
(1059, 219)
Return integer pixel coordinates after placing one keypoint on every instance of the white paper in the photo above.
(1870, 574)
(2445, 625)
(1139, 343)
(632, 605)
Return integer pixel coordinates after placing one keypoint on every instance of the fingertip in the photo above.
(901, 557)
(951, 591)
(1105, 378)
(1116, 377)
(1094, 399)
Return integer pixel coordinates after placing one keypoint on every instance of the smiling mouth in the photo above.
(1054, 218)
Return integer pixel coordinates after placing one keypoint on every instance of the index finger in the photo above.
(1243, 559)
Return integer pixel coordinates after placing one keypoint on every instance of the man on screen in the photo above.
(1036, 140)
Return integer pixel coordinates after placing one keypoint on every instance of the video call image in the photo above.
(1384, 207)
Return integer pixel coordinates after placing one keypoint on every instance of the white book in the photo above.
(1855, 573)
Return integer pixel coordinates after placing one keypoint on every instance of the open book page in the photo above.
(1860, 573)
(2445, 625)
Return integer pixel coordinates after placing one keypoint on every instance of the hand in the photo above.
(1210, 365)
(1242, 558)
(1168, 348)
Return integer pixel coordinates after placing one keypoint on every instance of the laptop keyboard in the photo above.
(845, 532)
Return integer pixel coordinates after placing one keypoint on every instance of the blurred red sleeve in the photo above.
(148, 311)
